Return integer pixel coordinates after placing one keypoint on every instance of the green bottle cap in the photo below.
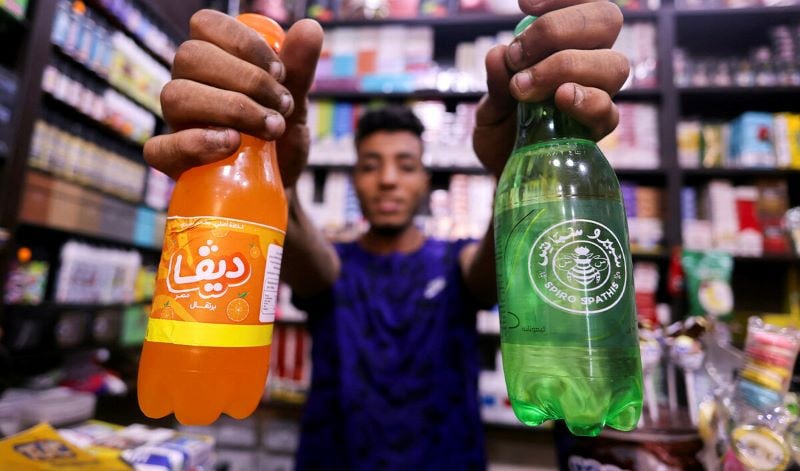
(524, 23)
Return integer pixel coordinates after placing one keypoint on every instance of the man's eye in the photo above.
(408, 168)
(367, 167)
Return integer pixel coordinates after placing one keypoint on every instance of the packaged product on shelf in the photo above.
(708, 283)
(634, 143)
(773, 202)
(71, 327)
(751, 141)
(321, 10)
(57, 406)
(645, 276)
(770, 354)
(27, 278)
(44, 449)
(637, 41)
(750, 236)
(786, 138)
(93, 275)
(713, 152)
(134, 324)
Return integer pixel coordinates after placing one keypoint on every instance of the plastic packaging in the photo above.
(565, 280)
(208, 339)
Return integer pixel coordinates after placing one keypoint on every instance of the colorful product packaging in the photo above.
(708, 282)
(770, 353)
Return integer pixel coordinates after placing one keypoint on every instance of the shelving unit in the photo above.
(32, 49)
(26, 52)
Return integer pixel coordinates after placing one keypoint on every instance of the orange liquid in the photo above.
(200, 383)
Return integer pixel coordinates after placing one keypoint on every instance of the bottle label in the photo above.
(564, 267)
(217, 283)
(578, 266)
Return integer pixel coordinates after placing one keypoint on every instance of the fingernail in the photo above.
(578, 95)
(276, 70)
(286, 103)
(515, 53)
(274, 124)
(524, 81)
(219, 139)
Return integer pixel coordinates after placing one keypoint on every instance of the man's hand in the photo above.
(226, 79)
(565, 53)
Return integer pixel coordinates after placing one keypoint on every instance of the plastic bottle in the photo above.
(567, 308)
(207, 344)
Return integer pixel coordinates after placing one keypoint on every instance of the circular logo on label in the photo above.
(578, 266)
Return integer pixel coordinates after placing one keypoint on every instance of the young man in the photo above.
(394, 383)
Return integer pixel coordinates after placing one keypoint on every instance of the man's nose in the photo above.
(388, 175)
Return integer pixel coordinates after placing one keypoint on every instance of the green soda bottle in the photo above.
(569, 337)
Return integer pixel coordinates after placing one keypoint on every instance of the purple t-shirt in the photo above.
(395, 360)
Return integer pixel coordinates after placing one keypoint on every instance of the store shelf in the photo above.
(465, 20)
(788, 90)
(739, 173)
(69, 111)
(747, 12)
(440, 170)
(729, 102)
(56, 306)
(62, 53)
(768, 259)
(87, 187)
(99, 239)
(116, 23)
(8, 20)
(352, 95)
(633, 94)
(294, 322)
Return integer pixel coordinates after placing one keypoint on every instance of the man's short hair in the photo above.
(388, 118)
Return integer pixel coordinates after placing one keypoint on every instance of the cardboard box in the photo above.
(35, 203)
(90, 215)
(65, 205)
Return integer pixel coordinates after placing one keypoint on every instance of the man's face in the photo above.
(389, 179)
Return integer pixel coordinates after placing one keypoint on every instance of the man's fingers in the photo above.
(237, 39)
(606, 70)
(299, 54)
(186, 103)
(206, 63)
(498, 103)
(175, 153)
(593, 25)
(540, 7)
(590, 106)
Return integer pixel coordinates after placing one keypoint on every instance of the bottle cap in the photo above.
(270, 30)
(524, 23)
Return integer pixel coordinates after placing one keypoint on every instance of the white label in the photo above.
(269, 295)
(578, 266)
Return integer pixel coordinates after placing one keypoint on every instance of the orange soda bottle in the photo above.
(207, 345)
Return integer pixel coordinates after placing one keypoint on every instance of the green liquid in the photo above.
(569, 335)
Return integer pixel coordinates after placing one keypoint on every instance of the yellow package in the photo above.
(793, 131)
(41, 448)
